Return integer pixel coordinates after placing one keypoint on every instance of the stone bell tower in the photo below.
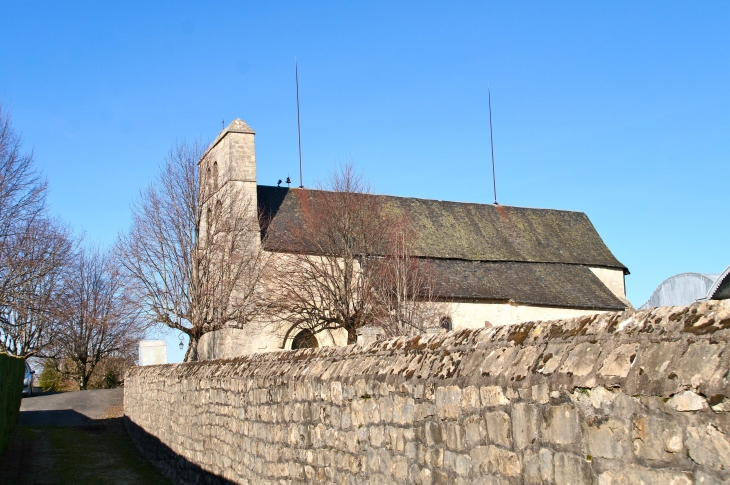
(229, 167)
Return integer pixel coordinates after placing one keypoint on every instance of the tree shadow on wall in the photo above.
(178, 469)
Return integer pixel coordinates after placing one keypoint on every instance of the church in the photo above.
(493, 264)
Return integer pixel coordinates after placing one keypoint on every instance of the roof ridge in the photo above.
(432, 200)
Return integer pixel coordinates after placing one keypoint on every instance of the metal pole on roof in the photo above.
(491, 139)
(299, 125)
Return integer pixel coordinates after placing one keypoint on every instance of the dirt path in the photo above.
(74, 438)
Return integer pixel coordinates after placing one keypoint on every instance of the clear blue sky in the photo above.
(617, 109)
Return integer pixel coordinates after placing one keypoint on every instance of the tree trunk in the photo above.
(351, 336)
(192, 354)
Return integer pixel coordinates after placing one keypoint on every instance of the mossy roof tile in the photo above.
(483, 252)
(542, 284)
(467, 231)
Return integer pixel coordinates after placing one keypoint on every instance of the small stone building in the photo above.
(494, 265)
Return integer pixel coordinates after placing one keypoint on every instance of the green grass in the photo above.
(97, 454)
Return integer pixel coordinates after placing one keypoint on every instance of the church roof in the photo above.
(541, 284)
(466, 231)
(480, 251)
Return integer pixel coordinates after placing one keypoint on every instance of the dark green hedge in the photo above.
(12, 372)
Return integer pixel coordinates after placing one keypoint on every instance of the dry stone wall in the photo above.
(620, 398)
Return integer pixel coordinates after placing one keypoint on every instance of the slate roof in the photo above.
(480, 251)
(474, 232)
(543, 284)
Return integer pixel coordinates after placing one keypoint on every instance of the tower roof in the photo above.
(236, 126)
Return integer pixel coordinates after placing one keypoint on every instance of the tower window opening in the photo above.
(446, 324)
(209, 223)
(215, 176)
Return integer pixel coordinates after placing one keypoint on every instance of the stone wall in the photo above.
(265, 337)
(619, 398)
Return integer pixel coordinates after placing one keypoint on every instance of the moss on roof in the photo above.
(466, 231)
(542, 284)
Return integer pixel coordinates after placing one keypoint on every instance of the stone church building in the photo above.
(494, 265)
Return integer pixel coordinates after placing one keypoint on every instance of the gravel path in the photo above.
(70, 408)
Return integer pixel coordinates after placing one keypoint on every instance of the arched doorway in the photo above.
(304, 340)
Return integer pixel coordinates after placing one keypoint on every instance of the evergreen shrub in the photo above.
(12, 373)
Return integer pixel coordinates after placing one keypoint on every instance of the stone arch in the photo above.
(305, 339)
(325, 338)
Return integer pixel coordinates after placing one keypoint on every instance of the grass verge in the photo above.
(101, 453)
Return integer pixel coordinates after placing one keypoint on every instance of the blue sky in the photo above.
(617, 109)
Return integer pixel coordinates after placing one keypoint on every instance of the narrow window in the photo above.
(215, 176)
(446, 324)
(209, 223)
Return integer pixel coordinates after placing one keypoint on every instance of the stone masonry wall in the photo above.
(619, 398)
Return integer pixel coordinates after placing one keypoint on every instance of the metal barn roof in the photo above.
(686, 288)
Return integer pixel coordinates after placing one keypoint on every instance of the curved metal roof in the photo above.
(686, 288)
(720, 289)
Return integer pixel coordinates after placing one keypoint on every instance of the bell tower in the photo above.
(233, 152)
(230, 162)
(228, 170)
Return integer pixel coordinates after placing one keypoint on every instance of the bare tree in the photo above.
(404, 286)
(357, 269)
(33, 250)
(194, 253)
(32, 292)
(99, 321)
(22, 191)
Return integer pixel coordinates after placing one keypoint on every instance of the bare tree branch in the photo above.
(194, 254)
(406, 301)
(358, 270)
(34, 251)
(36, 261)
(99, 320)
